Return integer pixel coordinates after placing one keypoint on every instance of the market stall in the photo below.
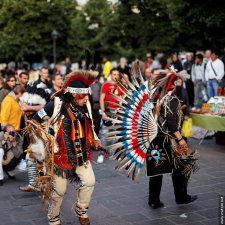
(212, 117)
(209, 122)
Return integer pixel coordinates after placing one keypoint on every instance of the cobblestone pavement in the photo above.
(119, 201)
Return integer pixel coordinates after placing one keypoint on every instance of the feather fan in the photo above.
(134, 125)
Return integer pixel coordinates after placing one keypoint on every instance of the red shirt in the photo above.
(107, 88)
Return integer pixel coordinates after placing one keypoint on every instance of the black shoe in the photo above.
(190, 198)
(156, 205)
(1, 182)
(10, 177)
(84, 221)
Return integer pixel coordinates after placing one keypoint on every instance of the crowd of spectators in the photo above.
(204, 79)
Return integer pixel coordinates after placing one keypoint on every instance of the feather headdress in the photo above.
(134, 125)
(78, 82)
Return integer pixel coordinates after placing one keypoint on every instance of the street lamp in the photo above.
(55, 35)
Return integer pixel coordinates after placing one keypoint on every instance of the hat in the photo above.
(78, 82)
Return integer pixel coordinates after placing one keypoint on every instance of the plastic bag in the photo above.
(204, 94)
(186, 130)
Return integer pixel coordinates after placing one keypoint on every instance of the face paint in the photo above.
(81, 99)
(80, 96)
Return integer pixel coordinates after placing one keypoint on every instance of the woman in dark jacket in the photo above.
(176, 63)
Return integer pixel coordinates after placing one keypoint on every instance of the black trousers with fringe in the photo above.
(155, 181)
(179, 185)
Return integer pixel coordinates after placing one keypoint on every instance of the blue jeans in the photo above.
(212, 86)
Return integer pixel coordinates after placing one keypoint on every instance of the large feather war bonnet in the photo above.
(134, 126)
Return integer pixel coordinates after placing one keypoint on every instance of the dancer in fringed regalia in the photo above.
(146, 126)
(66, 150)
(32, 100)
(168, 152)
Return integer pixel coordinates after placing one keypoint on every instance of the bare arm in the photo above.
(25, 107)
(102, 106)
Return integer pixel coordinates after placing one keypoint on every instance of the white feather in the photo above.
(33, 99)
(38, 149)
(42, 85)
(37, 99)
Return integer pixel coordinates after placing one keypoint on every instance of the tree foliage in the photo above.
(96, 26)
(126, 28)
(198, 24)
(26, 26)
(167, 25)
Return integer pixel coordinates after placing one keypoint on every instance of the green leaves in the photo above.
(126, 28)
(26, 26)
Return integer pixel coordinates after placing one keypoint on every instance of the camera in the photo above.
(12, 133)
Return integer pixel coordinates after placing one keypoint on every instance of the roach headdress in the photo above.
(78, 82)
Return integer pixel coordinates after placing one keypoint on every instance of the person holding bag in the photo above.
(169, 147)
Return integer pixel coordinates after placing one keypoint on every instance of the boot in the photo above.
(84, 221)
(189, 199)
(29, 188)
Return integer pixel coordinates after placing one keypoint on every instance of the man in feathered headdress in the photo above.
(70, 122)
(169, 147)
(32, 101)
(147, 128)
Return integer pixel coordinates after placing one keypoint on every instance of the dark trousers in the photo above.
(190, 91)
(179, 185)
(97, 120)
(12, 164)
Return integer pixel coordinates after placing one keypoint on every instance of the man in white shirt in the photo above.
(214, 73)
(198, 79)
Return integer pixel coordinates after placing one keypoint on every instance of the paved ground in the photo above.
(119, 201)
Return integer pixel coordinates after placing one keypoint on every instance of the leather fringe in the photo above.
(68, 174)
